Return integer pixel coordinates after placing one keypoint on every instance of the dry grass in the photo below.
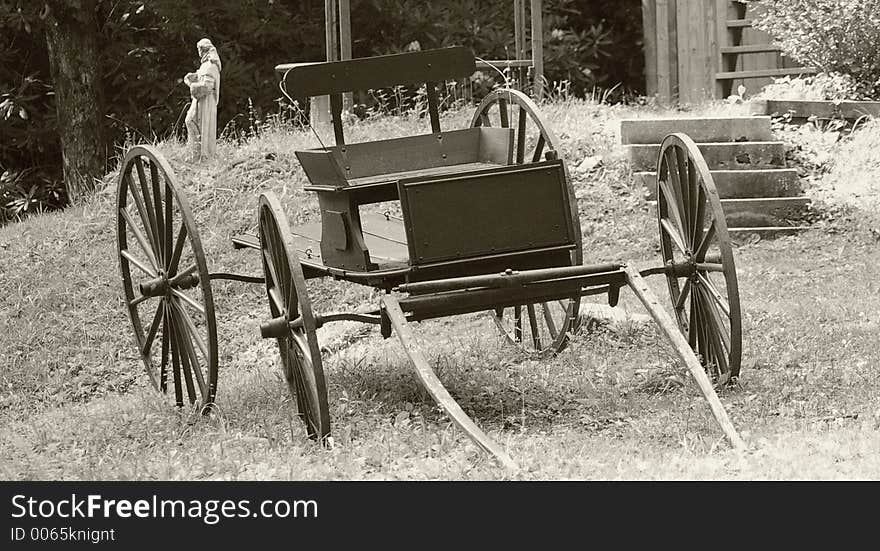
(74, 403)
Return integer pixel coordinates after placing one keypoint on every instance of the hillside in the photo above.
(75, 403)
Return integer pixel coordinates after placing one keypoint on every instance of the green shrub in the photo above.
(836, 36)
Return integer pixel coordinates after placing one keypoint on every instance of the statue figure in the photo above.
(204, 87)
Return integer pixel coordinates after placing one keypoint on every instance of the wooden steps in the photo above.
(701, 130)
(739, 184)
(758, 192)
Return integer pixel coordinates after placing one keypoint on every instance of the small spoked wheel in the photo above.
(165, 279)
(542, 328)
(698, 258)
(292, 324)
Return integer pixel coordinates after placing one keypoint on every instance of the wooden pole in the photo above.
(640, 287)
(345, 42)
(537, 49)
(649, 32)
(436, 389)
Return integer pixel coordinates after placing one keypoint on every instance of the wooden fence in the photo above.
(702, 49)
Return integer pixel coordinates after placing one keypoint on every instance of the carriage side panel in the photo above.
(492, 213)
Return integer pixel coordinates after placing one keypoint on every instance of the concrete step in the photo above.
(742, 235)
(740, 184)
(719, 156)
(727, 129)
(763, 213)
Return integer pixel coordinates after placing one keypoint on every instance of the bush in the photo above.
(836, 36)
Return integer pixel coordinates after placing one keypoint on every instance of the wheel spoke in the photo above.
(178, 250)
(160, 221)
(185, 358)
(277, 300)
(163, 370)
(188, 332)
(698, 206)
(539, 148)
(672, 206)
(681, 161)
(517, 323)
(154, 327)
(673, 233)
(175, 362)
(703, 247)
(719, 339)
(503, 113)
(521, 136)
(137, 263)
(548, 319)
(713, 292)
(673, 189)
(148, 202)
(169, 226)
(533, 325)
(141, 208)
(484, 120)
(139, 237)
(716, 318)
(682, 297)
(186, 298)
(191, 327)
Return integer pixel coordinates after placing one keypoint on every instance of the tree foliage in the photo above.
(147, 47)
(836, 36)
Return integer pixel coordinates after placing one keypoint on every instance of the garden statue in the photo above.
(204, 87)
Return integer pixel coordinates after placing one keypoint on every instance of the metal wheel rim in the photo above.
(535, 333)
(686, 194)
(159, 250)
(287, 294)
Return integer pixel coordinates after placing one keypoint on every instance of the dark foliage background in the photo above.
(147, 47)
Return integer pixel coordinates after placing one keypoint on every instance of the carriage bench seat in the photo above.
(350, 175)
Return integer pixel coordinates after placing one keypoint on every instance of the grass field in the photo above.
(617, 404)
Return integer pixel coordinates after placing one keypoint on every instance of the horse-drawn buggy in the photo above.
(488, 222)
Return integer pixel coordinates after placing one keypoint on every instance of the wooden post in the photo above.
(319, 106)
(664, 67)
(345, 42)
(519, 37)
(649, 32)
(537, 49)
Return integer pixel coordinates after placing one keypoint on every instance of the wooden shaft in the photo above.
(670, 329)
(436, 389)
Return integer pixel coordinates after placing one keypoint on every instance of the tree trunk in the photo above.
(74, 58)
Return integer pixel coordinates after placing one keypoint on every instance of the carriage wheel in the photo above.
(542, 328)
(292, 324)
(696, 250)
(165, 279)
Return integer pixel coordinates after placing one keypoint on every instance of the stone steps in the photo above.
(758, 193)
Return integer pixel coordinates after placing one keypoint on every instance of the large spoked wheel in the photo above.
(165, 279)
(698, 258)
(292, 324)
(541, 328)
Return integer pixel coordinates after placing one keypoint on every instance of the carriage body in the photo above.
(488, 223)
